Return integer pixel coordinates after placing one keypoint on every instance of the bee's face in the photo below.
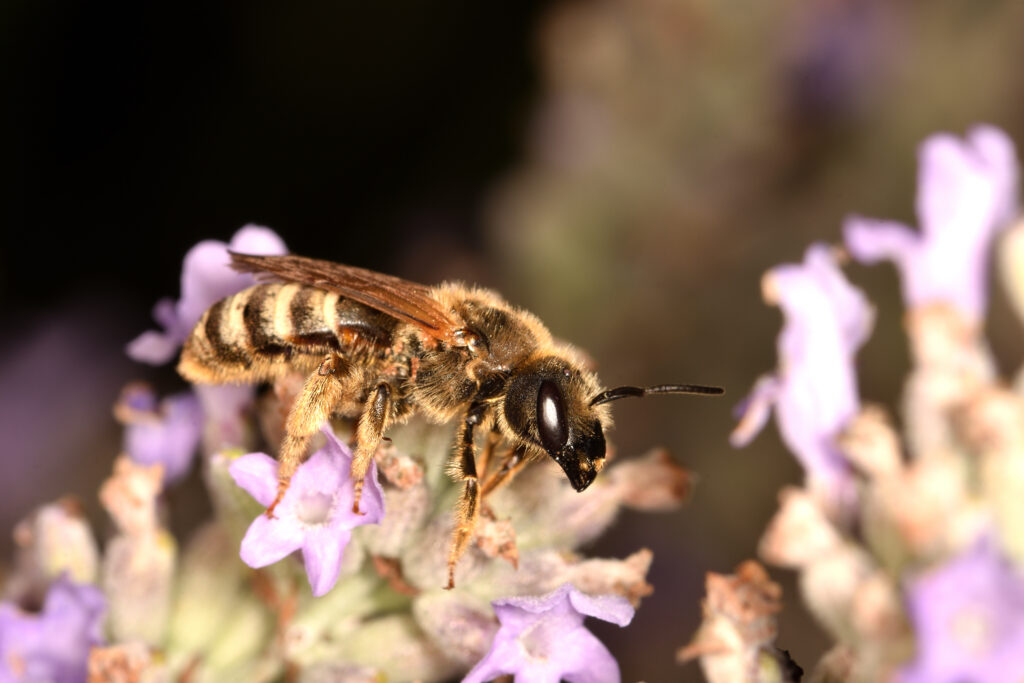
(548, 407)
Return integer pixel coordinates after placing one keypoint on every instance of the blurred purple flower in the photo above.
(206, 278)
(168, 435)
(542, 639)
(814, 391)
(314, 515)
(966, 192)
(969, 619)
(53, 645)
(225, 407)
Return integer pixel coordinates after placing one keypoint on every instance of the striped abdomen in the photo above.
(262, 331)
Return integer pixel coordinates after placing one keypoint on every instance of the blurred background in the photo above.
(626, 169)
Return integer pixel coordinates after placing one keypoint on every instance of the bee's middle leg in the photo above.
(377, 413)
(320, 395)
(464, 467)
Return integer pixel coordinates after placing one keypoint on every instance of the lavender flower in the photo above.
(168, 435)
(206, 277)
(969, 619)
(227, 408)
(314, 515)
(53, 645)
(966, 192)
(542, 638)
(814, 391)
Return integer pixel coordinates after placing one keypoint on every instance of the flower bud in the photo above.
(209, 589)
(460, 624)
(871, 445)
(653, 482)
(138, 573)
(799, 533)
(397, 647)
(55, 539)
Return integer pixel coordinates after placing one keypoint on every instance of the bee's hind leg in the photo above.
(464, 468)
(320, 395)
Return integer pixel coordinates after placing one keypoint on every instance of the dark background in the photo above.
(626, 170)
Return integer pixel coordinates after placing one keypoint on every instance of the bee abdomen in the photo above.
(257, 333)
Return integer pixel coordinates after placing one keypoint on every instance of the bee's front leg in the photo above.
(464, 467)
(320, 395)
(511, 463)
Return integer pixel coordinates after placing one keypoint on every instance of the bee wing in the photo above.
(402, 299)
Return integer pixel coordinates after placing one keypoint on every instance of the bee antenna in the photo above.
(625, 392)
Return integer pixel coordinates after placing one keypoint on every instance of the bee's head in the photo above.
(548, 405)
(557, 406)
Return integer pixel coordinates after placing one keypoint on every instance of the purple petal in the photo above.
(54, 644)
(815, 391)
(614, 609)
(582, 658)
(503, 658)
(270, 540)
(870, 240)
(83, 604)
(754, 410)
(332, 472)
(371, 505)
(256, 473)
(315, 513)
(853, 312)
(206, 278)
(257, 239)
(322, 553)
(997, 153)
(542, 638)
(967, 191)
(171, 439)
(152, 347)
(950, 189)
(968, 616)
(324, 471)
(519, 612)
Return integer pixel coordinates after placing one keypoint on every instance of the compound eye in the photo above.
(554, 432)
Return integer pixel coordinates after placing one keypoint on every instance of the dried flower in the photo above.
(54, 540)
(315, 513)
(966, 192)
(139, 562)
(168, 435)
(53, 645)
(969, 618)
(814, 391)
(542, 638)
(206, 277)
(129, 495)
(734, 642)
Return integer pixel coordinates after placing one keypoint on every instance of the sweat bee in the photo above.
(380, 349)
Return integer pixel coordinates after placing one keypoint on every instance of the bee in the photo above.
(379, 348)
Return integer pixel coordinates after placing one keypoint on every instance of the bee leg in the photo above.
(514, 461)
(484, 459)
(464, 467)
(372, 423)
(313, 407)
